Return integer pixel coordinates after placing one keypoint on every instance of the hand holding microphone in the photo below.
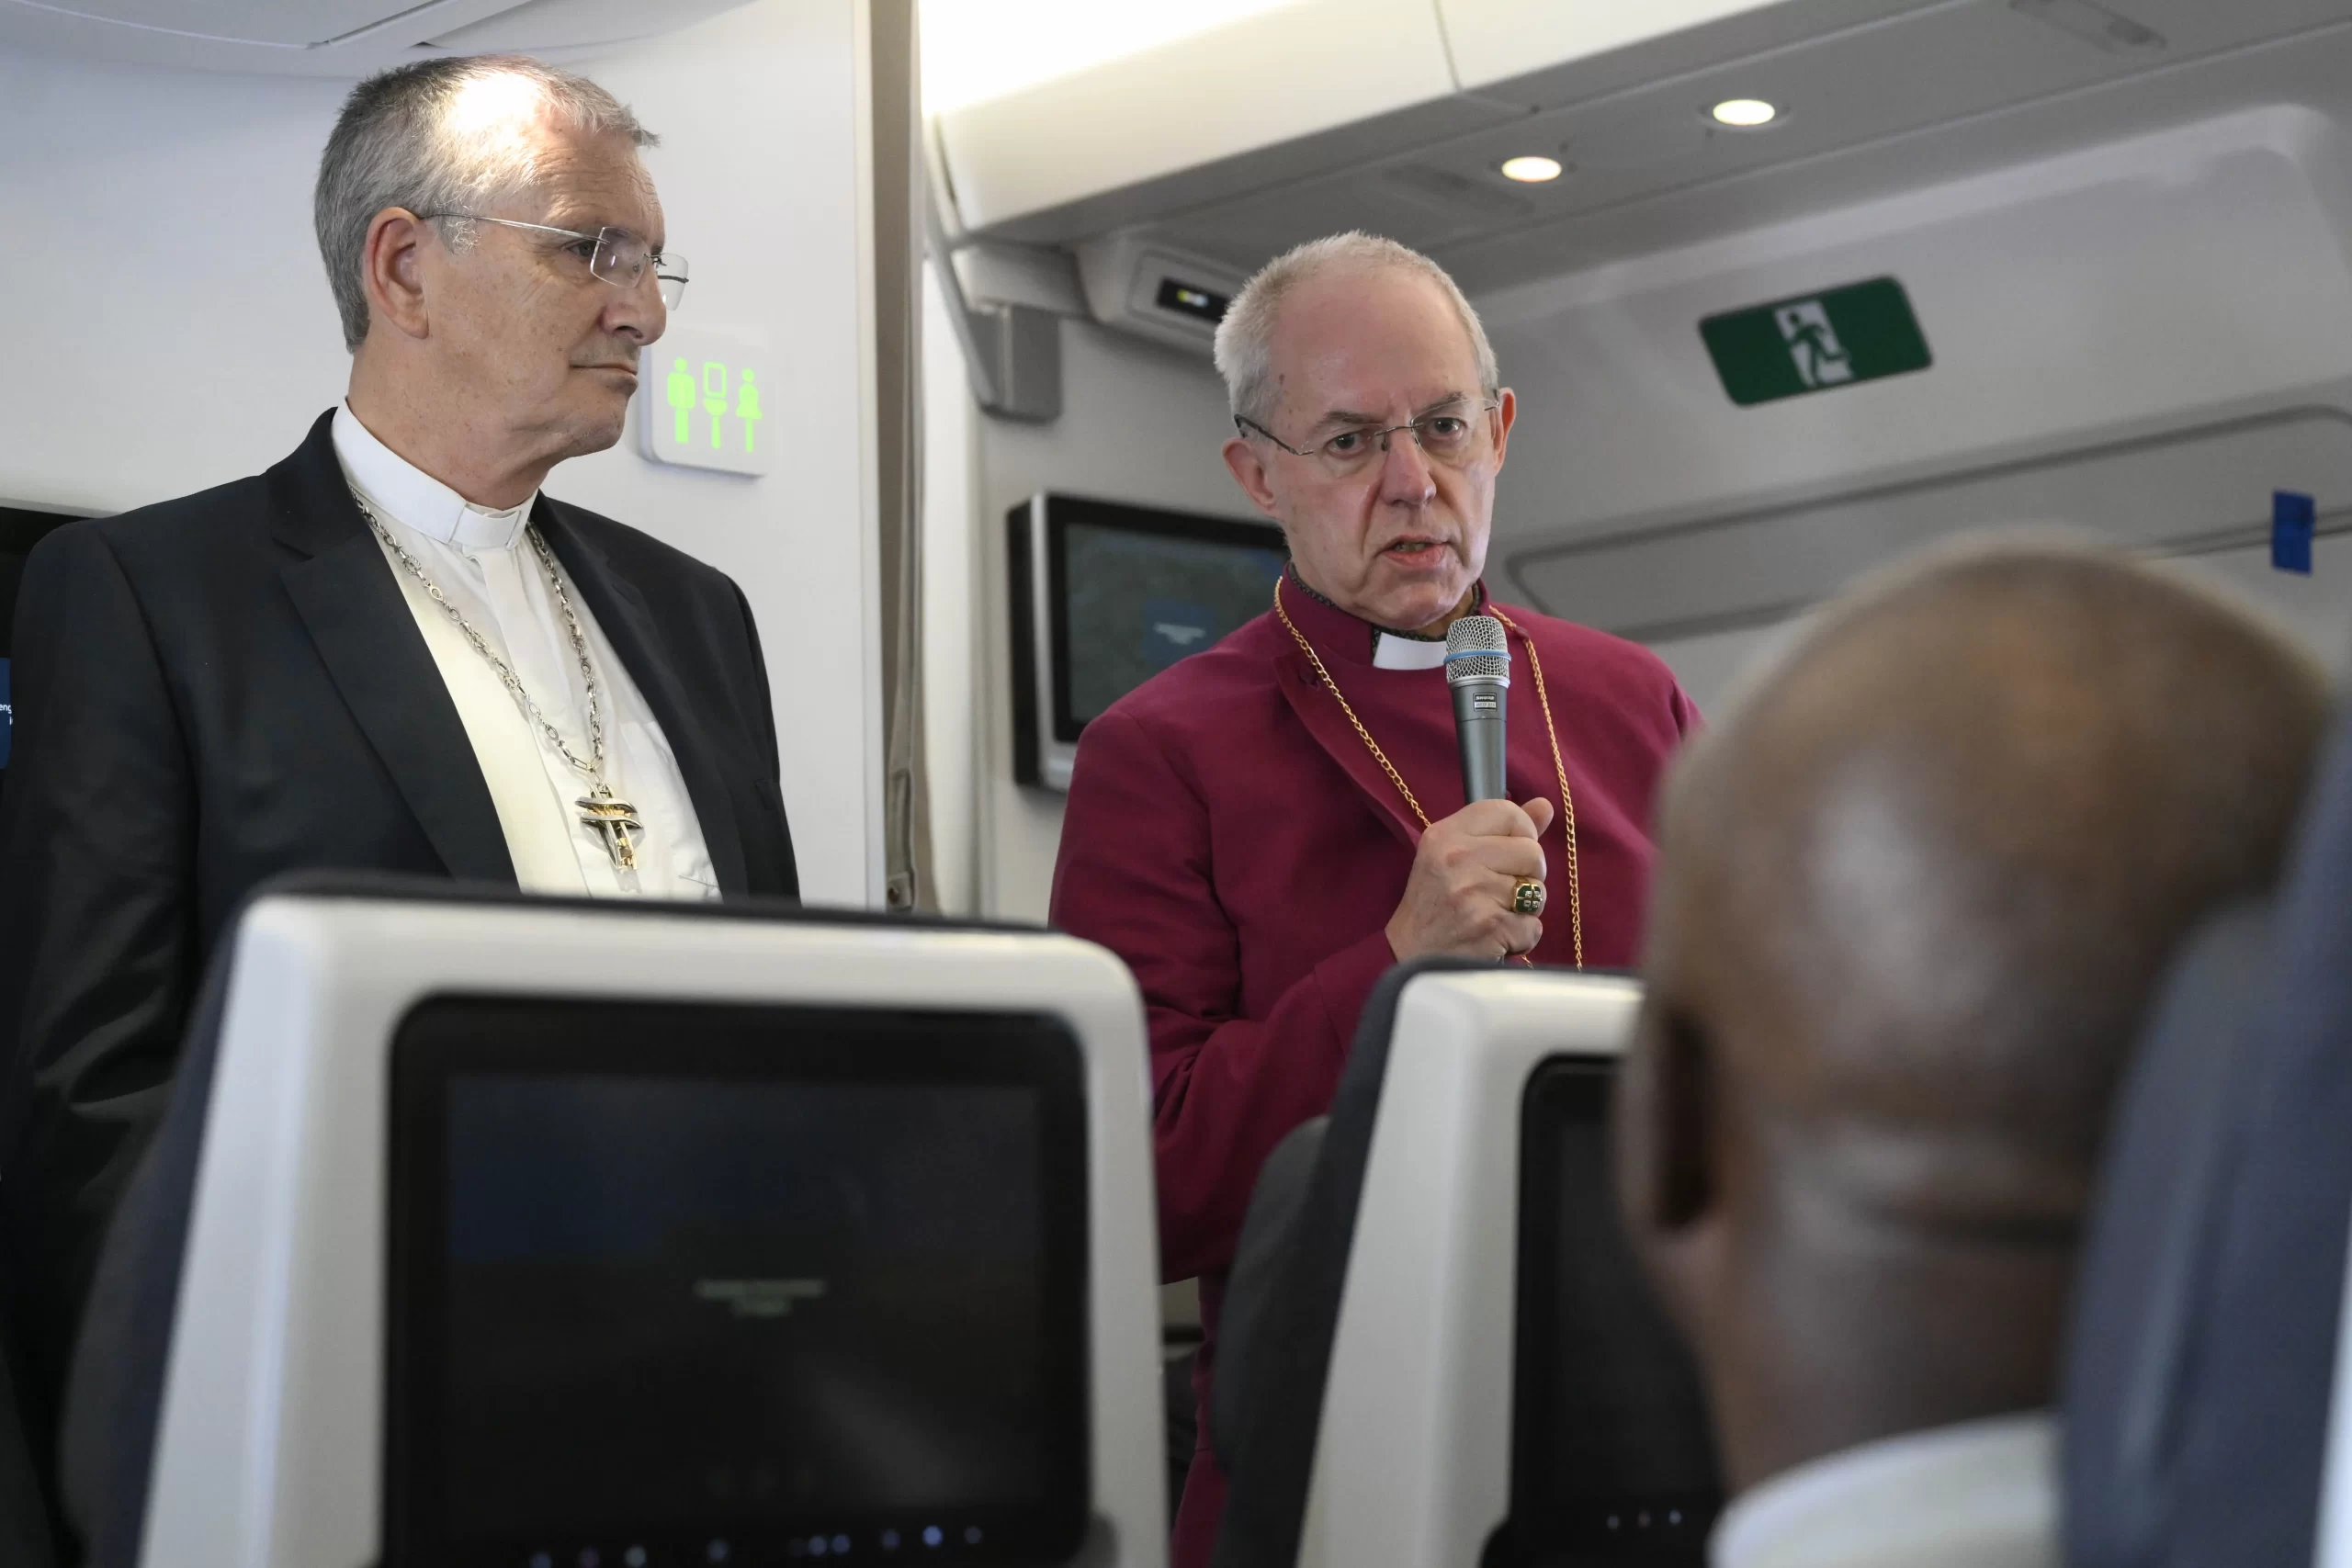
(1460, 895)
(1467, 893)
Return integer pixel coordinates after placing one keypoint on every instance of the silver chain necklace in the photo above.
(613, 817)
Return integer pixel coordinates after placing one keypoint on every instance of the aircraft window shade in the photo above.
(1612, 1458)
(692, 1285)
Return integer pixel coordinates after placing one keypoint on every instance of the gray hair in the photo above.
(1245, 338)
(400, 141)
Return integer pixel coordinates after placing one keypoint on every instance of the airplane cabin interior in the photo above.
(1007, 1078)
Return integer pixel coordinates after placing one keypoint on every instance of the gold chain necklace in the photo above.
(614, 819)
(1543, 699)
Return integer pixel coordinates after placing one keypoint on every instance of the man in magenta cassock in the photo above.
(1234, 830)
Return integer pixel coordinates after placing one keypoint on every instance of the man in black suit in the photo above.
(388, 652)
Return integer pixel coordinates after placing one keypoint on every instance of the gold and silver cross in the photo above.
(615, 819)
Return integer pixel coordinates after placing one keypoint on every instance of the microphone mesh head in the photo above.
(1475, 649)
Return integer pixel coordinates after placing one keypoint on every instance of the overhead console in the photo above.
(331, 38)
(1156, 291)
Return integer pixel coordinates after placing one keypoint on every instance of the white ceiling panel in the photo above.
(574, 24)
(274, 22)
(346, 39)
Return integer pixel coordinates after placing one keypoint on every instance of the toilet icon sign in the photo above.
(700, 397)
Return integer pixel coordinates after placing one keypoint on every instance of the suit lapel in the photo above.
(620, 611)
(1322, 715)
(361, 625)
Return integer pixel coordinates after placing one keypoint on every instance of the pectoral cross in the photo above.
(616, 819)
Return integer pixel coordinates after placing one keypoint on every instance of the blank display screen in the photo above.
(729, 1285)
(1612, 1457)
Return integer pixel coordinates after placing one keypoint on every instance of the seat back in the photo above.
(2205, 1369)
(2154, 1244)
(551, 1231)
(1411, 1382)
(1612, 1452)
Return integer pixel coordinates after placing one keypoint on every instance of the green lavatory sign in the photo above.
(700, 397)
(707, 391)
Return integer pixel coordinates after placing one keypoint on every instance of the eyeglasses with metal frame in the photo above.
(1449, 434)
(616, 256)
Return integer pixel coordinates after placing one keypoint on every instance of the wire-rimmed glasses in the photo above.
(615, 256)
(1452, 434)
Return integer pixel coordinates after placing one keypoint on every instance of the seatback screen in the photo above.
(707, 1285)
(1612, 1457)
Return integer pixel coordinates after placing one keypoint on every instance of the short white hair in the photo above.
(1245, 338)
(439, 136)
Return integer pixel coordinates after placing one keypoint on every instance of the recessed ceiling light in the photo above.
(1745, 114)
(1532, 169)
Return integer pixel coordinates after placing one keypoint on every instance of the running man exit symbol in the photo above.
(1814, 343)
(701, 398)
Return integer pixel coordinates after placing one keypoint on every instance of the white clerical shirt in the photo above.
(1980, 1494)
(485, 565)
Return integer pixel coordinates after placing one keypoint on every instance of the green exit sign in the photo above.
(703, 401)
(1817, 343)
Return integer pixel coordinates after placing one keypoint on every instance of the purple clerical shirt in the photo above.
(1230, 836)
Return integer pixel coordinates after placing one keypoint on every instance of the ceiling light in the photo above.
(1531, 169)
(1745, 114)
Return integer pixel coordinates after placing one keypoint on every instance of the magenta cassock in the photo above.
(1230, 836)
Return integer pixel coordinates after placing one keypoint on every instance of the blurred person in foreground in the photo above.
(1915, 897)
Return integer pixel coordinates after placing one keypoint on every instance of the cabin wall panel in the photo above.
(172, 330)
(1139, 423)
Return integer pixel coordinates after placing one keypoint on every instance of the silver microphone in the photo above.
(1478, 669)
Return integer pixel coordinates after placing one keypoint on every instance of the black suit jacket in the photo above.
(227, 686)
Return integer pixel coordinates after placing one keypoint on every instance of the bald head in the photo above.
(1913, 899)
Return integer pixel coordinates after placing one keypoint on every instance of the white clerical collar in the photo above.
(1979, 1494)
(1390, 651)
(406, 494)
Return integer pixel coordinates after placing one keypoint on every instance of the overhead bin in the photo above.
(331, 38)
(1322, 85)
(1304, 89)
(1171, 117)
(1530, 44)
(1239, 141)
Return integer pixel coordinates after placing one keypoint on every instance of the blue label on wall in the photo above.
(1172, 628)
(7, 713)
(2294, 518)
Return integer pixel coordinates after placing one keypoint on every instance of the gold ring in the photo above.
(1527, 899)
